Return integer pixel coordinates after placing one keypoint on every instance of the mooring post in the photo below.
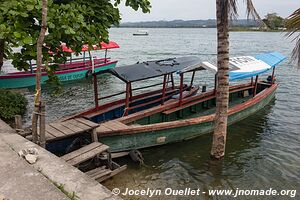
(95, 90)
(42, 124)
(18, 122)
(35, 118)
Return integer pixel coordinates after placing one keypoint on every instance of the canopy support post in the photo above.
(130, 92)
(251, 80)
(273, 73)
(192, 80)
(172, 80)
(105, 57)
(164, 90)
(95, 90)
(255, 86)
(216, 83)
(84, 57)
(127, 98)
(181, 89)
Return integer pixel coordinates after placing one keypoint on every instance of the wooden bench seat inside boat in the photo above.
(204, 97)
(121, 102)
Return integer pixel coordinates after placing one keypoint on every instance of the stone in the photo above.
(31, 158)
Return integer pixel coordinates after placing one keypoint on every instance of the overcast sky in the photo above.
(202, 9)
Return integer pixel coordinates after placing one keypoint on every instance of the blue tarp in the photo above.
(271, 59)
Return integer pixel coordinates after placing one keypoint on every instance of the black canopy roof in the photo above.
(151, 69)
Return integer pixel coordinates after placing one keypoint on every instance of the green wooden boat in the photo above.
(176, 113)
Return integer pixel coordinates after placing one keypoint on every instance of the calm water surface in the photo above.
(262, 151)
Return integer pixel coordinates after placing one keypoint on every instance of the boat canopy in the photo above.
(110, 45)
(151, 69)
(249, 66)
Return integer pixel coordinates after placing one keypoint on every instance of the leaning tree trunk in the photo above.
(39, 62)
(220, 130)
(1, 53)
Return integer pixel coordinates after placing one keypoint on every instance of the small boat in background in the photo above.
(73, 69)
(141, 33)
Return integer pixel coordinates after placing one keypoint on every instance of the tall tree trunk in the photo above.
(39, 62)
(222, 96)
(1, 53)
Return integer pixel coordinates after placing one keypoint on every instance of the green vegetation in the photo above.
(75, 22)
(293, 26)
(70, 195)
(11, 104)
(274, 22)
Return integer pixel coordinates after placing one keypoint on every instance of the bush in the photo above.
(11, 104)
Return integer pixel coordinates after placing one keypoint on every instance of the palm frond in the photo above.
(251, 11)
(232, 8)
(293, 26)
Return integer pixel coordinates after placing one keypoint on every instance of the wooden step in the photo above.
(101, 173)
(85, 153)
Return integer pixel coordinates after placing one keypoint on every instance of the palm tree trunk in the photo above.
(1, 53)
(39, 61)
(222, 96)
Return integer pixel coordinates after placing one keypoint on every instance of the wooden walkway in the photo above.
(59, 130)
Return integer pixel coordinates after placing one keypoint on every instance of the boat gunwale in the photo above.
(192, 121)
(29, 74)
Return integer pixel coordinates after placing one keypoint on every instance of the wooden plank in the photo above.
(95, 171)
(85, 153)
(63, 129)
(87, 122)
(49, 135)
(102, 174)
(88, 155)
(80, 151)
(79, 125)
(74, 128)
(115, 125)
(102, 128)
(107, 125)
(53, 131)
(113, 173)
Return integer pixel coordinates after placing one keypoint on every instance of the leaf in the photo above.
(27, 40)
(17, 34)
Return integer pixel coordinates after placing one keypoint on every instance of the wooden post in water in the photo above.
(35, 118)
(42, 125)
(95, 90)
(255, 86)
(18, 122)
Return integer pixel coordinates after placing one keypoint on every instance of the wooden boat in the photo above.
(141, 33)
(176, 113)
(73, 69)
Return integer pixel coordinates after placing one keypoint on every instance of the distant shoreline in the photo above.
(232, 29)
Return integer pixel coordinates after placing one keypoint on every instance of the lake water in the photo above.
(262, 151)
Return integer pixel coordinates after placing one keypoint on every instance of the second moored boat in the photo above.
(174, 112)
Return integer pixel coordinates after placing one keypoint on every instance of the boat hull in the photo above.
(28, 80)
(184, 129)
